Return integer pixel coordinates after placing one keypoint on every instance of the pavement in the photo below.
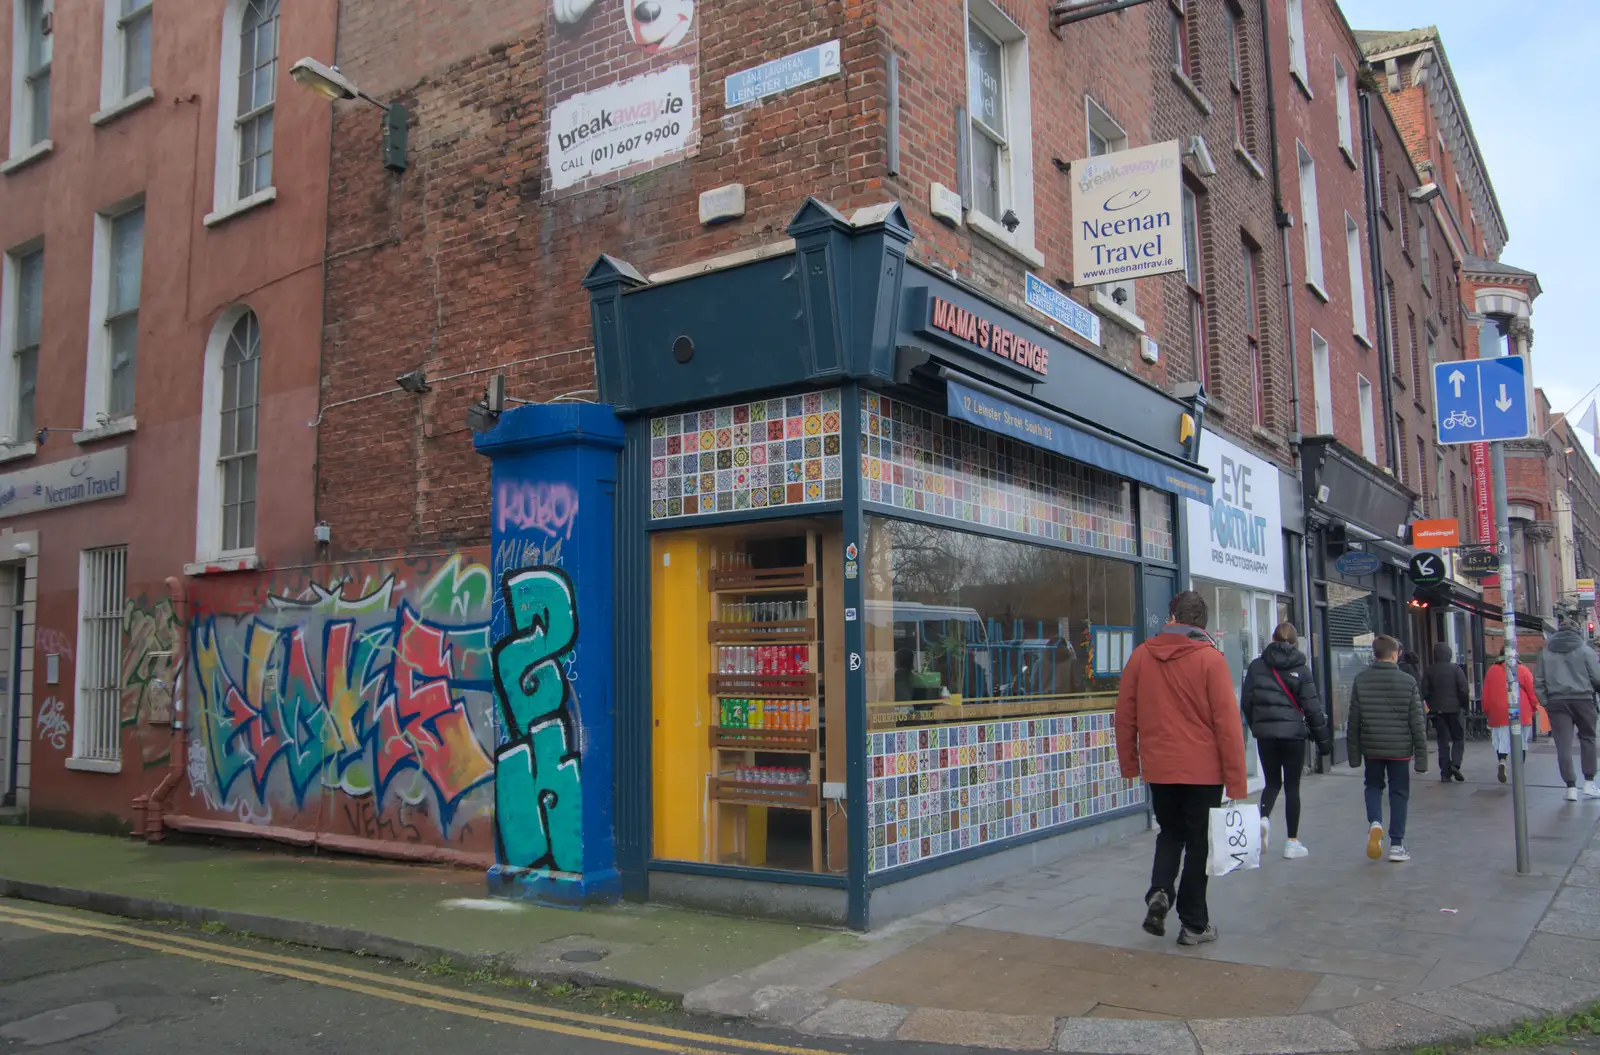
(1331, 953)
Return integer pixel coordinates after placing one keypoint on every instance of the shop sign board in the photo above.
(1239, 539)
(621, 125)
(1426, 569)
(1436, 534)
(1127, 214)
(964, 328)
(1050, 302)
(103, 474)
(1483, 493)
(1480, 563)
(781, 75)
(1358, 564)
(1585, 591)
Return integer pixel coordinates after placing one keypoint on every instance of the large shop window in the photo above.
(1351, 627)
(964, 627)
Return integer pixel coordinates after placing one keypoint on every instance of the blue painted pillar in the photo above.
(553, 487)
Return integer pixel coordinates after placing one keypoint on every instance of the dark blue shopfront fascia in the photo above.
(844, 308)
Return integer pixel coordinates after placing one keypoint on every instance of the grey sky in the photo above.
(1520, 68)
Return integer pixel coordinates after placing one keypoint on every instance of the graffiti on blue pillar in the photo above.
(538, 797)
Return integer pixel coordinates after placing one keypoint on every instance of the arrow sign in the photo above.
(1482, 400)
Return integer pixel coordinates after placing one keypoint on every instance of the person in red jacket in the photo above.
(1497, 708)
(1179, 728)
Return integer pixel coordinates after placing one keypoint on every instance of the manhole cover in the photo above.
(583, 956)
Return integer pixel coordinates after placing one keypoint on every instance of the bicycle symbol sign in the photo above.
(1458, 417)
(1482, 400)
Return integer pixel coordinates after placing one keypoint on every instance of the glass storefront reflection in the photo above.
(966, 627)
(1350, 629)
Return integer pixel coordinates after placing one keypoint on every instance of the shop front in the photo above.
(1244, 556)
(1357, 519)
(883, 547)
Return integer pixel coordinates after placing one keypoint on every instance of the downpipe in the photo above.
(148, 809)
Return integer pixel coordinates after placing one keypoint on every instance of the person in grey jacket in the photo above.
(1386, 729)
(1566, 678)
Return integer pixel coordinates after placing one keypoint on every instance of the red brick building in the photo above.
(161, 218)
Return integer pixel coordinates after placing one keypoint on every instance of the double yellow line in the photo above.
(401, 990)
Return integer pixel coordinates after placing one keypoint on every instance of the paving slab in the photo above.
(1386, 1024)
(1291, 1035)
(1548, 992)
(785, 1005)
(1098, 1036)
(1484, 1013)
(1570, 957)
(979, 1030)
(863, 1019)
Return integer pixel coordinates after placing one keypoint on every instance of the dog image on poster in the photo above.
(654, 25)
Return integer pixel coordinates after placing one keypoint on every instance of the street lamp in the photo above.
(329, 83)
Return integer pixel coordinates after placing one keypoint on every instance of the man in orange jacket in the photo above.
(1178, 727)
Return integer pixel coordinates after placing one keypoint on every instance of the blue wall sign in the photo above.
(1030, 426)
(1052, 303)
(780, 75)
(1482, 400)
(1358, 564)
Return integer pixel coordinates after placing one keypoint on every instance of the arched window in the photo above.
(245, 102)
(226, 524)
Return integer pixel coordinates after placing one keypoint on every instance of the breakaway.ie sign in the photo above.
(103, 474)
(1127, 214)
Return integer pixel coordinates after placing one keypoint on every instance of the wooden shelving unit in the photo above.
(734, 746)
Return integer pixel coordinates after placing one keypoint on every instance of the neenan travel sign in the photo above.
(1127, 214)
(103, 474)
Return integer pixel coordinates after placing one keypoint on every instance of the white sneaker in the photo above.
(1399, 854)
(1590, 790)
(1294, 849)
(1572, 794)
(1266, 833)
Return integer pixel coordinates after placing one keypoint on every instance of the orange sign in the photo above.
(1435, 534)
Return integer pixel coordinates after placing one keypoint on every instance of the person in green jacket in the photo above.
(1387, 730)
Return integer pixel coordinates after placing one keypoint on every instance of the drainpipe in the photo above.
(1380, 291)
(149, 808)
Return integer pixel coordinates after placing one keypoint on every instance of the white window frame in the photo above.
(10, 376)
(1322, 384)
(1310, 221)
(1016, 166)
(1423, 256)
(1298, 66)
(115, 95)
(1101, 129)
(1341, 102)
(1369, 426)
(24, 83)
(208, 524)
(97, 418)
(225, 199)
(97, 689)
(1358, 281)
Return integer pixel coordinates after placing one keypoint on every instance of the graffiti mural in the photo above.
(50, 725)
(551, 509)
(372, 685)
(538, 794)
(150, 640)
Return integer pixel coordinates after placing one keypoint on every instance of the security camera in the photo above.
(1010, 221)
(415, 382)
(23, 548)
(1423, 194)
(1202, 157)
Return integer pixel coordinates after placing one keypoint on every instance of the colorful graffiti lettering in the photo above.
(548, 507)
(538, 797)
(357, 689)
(150, 635)
(51, 726)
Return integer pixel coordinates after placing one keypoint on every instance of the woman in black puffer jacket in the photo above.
(1281, 706)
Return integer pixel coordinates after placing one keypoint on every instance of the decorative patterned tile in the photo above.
(1155, 524)
(772, 452)
(938, 790)
(916, 459)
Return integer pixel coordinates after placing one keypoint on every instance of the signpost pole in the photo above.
(1508, 605)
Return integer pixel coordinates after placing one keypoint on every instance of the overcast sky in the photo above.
(1521, 68)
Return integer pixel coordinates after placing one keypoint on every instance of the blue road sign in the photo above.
(1482, 400)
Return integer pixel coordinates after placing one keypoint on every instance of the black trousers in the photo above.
(1282, 762)
(1452, 736)
(1184, 813)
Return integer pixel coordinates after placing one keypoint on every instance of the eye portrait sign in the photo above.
(1127, 214)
